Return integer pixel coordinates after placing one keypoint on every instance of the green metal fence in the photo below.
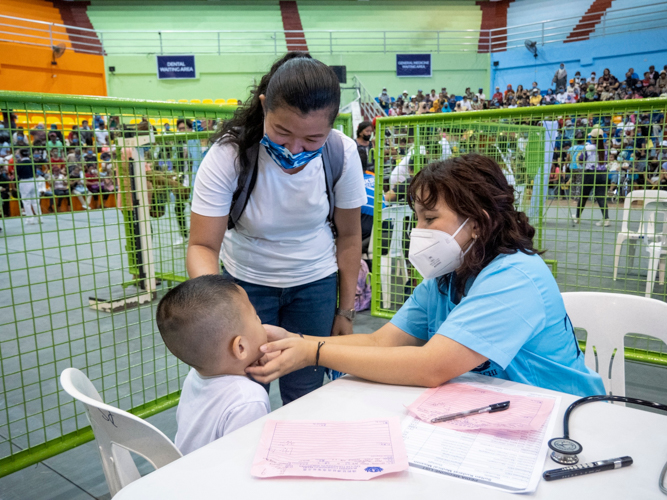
(80, 288)
(543, 153)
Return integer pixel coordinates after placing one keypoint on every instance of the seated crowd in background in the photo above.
(634, 153)
(605, 87)
(78, 161)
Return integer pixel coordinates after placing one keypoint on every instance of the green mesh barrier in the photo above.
(80, 289)
(542, 152)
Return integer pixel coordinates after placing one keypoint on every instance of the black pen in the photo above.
(589, 468)
(486, 409)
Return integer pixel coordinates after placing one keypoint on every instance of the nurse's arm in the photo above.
(430, 365)
(439, 360)
(206, 234)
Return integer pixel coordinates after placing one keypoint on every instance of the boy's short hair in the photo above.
(197, 316)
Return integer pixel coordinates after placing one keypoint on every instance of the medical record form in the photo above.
(509, 460)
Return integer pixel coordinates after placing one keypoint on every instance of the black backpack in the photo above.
(333, 159)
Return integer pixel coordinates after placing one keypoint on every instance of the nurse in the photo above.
(488, 303)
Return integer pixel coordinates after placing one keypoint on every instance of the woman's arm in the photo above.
(206, 234)
(348, 255)
(433, 364)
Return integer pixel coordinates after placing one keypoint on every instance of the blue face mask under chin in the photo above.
(283, 157)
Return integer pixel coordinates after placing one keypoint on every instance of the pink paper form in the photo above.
(526, 413)
(359, 450)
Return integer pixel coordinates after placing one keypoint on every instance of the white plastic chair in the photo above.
(654, 244)
(396, 214)
(118, 432)
(608, 318)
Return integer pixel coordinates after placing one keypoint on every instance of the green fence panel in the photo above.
(618, 247)
(79, 286)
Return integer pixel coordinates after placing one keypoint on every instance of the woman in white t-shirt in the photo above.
(281, 249)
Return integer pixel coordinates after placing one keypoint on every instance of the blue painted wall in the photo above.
(618, 53)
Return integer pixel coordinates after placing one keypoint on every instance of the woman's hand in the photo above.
(341, 326)
(294, 354)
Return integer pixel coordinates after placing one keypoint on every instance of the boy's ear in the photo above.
(239, 348)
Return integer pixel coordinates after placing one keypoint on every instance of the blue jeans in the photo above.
(307, 309)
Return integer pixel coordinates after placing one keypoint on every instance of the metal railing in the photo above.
(218, 42)
(369, 106)
(575, 28)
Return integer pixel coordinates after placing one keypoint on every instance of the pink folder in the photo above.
(526, 413)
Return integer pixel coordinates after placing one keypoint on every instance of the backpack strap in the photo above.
(246, 183)
(333, 158)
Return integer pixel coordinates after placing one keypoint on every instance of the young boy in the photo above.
(209, 323)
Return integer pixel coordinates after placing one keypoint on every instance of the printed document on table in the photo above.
(359, 450)
(503, 459)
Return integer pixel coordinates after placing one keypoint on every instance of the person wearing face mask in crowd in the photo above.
(279, 245)
(508, 93)
(560, 77)
(18, 137)
(385, 100)
(477, 104)
(535, 98)
(550, 98)
(469, 243)
(561, 96)
(364, 146)
(498, 95)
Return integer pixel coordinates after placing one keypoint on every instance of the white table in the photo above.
(221, 470)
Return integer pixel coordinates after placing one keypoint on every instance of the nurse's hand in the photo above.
(294, 353)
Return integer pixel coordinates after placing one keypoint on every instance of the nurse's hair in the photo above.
(295, 80)
(475, 187)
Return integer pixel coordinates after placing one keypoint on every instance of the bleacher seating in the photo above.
(386, 15)
(37, 10)
(525, 12)
(205, 16)
(616, 21)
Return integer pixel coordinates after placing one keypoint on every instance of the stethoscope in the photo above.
(565, 450)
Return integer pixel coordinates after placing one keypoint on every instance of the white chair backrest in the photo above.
(647, 198)
(607, 319)
(397, 215)
(118, 432)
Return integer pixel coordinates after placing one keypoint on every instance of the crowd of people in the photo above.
(59, 164)
(607, 155)
(561, 90)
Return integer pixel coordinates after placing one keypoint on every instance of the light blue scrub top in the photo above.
(512, 314)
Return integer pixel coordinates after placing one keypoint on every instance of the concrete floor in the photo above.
(48, 272)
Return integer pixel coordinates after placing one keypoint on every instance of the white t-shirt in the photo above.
(401, 171)
(211, 407)
(282, 239)
(101, 137)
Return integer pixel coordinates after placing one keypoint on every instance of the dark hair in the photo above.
(295, 80)
(362, 126)
(475, 187)
(194, 318)
(188, 122)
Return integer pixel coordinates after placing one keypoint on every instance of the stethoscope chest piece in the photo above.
(564, 450)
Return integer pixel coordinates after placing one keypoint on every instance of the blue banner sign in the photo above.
(175, 67)
(413, 64)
